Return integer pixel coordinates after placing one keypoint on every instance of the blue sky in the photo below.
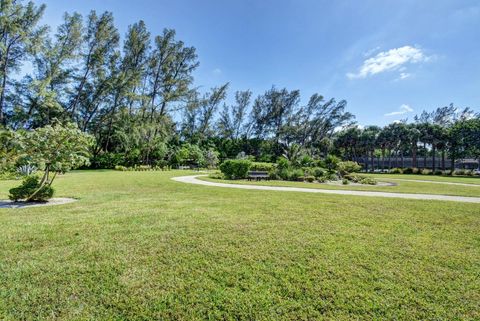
(388, 59)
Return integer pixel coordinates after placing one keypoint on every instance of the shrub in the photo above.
(26, 170)
(296, 175)
(345, 181)
(261, 166)
(426, 171)
(368, 181)
(321, 179)
(361, 179)
(235, 168)
(410, 170)
(438, 172)
(216, 175)
(319, 172)
(29, 185)
(107, 160)
(348, 167)
(331, 162)
(396, 170)
(283, 163)
(310, 178)
(121, 168)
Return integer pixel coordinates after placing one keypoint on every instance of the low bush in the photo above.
(216, 175)
(360, 179)
(348, 167)
(321, 179)
(310, 178)
(235, 168)
(296, 175)
(368, 181)
(121, 168)
(319, 172)
(345, 181)
(261, 166)
(438, 172)
(396, 170)
(410, 170)
(426, 171)
(29, 185)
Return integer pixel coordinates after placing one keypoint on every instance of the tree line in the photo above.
(138, 98)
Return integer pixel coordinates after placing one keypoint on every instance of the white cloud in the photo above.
(404, 109)
(217, 71)
(404, 75)
(393, 59)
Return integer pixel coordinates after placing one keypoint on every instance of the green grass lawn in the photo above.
(401, 186)
(435, 178)
(139, 246)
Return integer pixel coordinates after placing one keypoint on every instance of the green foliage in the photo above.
(216, 175)
(411, 170)
(348, 167)
(310, 178)
(107, 160)
(235, 168)
(29, 185)
(331, 162)
(345, 181)
(262, 166)
(426, 171)
(360, 179)
(61, 148)
(319, 172)
(396, 170)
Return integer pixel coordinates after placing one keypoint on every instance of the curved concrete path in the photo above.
(193, 180)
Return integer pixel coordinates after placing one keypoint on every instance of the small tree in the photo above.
(55, 148)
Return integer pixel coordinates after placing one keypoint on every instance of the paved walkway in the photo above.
(194, 180)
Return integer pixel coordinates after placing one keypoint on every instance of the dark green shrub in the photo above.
(321, 179)
(319, 172)
(345, 181)
(348, 167)
(310, 179)
(283, 163)
(438, 172)
(408, 170)
(331, 162)
(295, 175)
(29, 185)
(107, 160)
(235, 168)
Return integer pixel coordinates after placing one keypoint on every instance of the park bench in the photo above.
(258, 175)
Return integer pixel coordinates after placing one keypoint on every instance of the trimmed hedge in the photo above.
(235, 168)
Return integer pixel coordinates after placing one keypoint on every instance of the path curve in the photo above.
(193, 180)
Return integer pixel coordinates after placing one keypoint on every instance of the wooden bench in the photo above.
(258, 175)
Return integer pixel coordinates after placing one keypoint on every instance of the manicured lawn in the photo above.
(401, 186)
(138, 246)
(435, 178)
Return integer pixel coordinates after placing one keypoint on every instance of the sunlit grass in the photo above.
(138, 245)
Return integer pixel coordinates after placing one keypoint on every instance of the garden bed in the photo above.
(51, 202)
